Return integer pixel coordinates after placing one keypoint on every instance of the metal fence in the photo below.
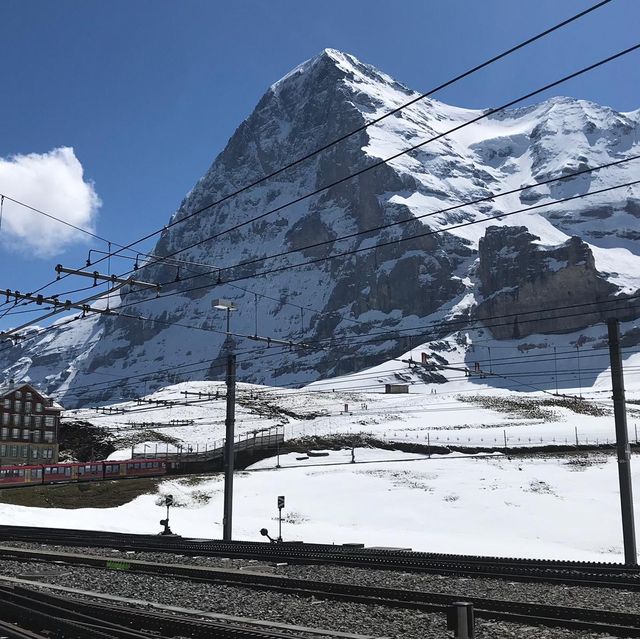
(244, 443)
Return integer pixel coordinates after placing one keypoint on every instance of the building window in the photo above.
(14, 451)
(7, 403)
(36, 435)
(38, 407)
(48, 437)
(3, 450)
(24, 451)
(34, 453)
(28, 395)
(27, 407)
(15, 433)
(5, 433)
(17, 406)
(49, 421)
(18, 394)
(5, 418)
(25, 434)
(16, 420)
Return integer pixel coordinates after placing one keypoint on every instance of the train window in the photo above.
(21, 473)
(67, 471)
(116, 468)
(38, 473)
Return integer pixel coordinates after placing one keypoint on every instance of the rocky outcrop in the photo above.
(531, 288)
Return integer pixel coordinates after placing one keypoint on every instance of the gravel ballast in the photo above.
(333, 615)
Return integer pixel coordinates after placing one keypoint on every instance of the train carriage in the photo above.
(93, 471)
(145, 467)
(20, 475)
(59, 473)
(11, 476)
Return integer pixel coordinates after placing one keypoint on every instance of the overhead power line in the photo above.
(373, 122)
(363, 249)
(219, 270)
(410, 149)
(434, 327)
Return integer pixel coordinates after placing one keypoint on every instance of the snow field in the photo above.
(542, 507)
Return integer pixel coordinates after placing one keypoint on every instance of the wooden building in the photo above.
(396, 388)
(29, 424)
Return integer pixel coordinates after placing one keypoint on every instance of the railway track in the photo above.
(586, 574)
(37, 613)
(591, 620)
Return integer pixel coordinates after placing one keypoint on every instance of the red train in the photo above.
(88, 471)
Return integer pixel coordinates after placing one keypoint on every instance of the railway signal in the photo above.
(280, 507)
(168, 502)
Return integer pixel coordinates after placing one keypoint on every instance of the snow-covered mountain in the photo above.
(583, 250)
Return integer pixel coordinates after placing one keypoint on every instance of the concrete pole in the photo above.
(228, 448)
(622, 444)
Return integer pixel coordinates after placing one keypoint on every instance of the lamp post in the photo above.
(230, 420)
(225, 305)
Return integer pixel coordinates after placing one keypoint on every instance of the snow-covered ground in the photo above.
(551, 506)
(467, 415)
(536, 507)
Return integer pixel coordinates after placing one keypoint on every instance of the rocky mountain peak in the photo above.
(431, 259)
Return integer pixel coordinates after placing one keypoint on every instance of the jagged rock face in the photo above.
(437, 263)
(520, 277)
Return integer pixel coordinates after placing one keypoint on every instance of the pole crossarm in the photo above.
(278, 342)
(95, 276)
(58, 307)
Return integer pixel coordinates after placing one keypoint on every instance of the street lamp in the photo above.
(228, 305)
(225, 305)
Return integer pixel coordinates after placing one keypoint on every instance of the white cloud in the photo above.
(52, 182)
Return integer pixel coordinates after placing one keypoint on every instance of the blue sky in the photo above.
(148, 92)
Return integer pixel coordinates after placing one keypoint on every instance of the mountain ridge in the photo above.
(397, 286)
